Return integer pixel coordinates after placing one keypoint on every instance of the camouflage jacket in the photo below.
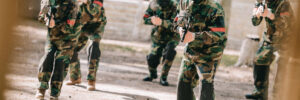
(63, 11)
(167, 13)
(92, 17)
(207, 22)
(278, 28)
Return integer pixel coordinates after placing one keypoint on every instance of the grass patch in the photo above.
(117, 47)
(228, 60)
(112, 47)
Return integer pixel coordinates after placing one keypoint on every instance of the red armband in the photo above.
(285, 14)
(146, 16)
(218, 29)
(98, 3)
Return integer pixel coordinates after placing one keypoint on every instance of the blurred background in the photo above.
(124, 48)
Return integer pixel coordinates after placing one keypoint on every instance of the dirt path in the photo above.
(122, 68)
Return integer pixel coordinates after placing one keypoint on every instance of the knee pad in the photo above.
(169, 53)
(94, 50)
(153, 60)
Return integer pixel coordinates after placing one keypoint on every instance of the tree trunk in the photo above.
(7, 18)
(28, 8)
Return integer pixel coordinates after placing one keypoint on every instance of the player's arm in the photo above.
(217, 27)
(147, 16)
(284, 19)
(102, 21)
(256, 17)
(168, 23)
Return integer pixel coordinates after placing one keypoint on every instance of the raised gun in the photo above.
(261, 4)
(184, 20)
(45, 12)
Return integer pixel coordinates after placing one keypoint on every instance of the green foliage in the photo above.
(228, 60)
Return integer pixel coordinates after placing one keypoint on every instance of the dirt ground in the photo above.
(120, 74)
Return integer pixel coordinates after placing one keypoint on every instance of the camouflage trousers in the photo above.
(158, 50)
(264, 58)
(94, 54)
(189, 76)
(199, 59)
(58, 53)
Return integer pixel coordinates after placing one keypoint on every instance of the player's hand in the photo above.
(268, 13)
(258, 11)
(189, 36)
(156, 20)
(52, 22)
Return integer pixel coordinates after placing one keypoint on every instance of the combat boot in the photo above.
(53, 98)
(163, 82)
(185, 91)
(40, 94)
(74, 82)
(91, 85)
(261, 76)
(150, 78)
(255, 95)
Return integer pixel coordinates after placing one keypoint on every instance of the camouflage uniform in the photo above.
(164, 40)
(201, 56)
(61, 40)
(277, 30)
(93, 18)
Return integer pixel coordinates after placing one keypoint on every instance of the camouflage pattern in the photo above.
(61, 40)
(201, 56)
(164, 40)
(93, 19)
(277, 31)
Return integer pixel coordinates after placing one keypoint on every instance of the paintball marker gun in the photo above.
(184, 20)
(45, 12)
(261, 5)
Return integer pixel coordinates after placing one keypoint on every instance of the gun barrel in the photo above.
(183, 35)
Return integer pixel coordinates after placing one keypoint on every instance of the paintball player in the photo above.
(92, 16)
(201, 25)
(161, 14)
(278, 15)
(59, 16)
